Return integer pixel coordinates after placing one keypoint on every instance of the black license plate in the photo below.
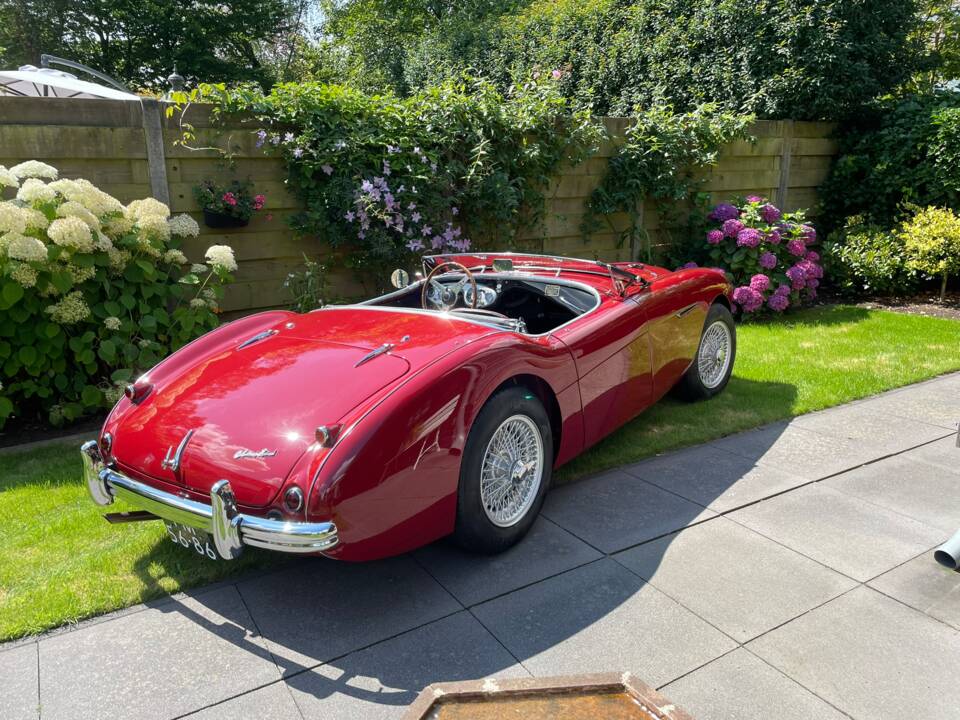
(192, 539)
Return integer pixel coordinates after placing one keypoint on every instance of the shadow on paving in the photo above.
(379, 632)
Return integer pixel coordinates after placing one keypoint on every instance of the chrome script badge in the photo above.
(244, 454)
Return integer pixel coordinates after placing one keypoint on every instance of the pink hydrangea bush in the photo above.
(766, 253)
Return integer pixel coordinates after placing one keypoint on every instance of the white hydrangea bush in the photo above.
(92, 291)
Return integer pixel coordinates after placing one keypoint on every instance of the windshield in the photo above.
(618, 276)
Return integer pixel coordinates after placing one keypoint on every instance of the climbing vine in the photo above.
(383, 179)
(659, 162)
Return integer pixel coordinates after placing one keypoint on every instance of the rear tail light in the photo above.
(106, 446)
(137, 391)
(293, 499)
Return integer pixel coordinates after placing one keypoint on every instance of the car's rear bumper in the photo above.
(230, 528)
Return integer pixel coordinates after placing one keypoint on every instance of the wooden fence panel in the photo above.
(105, 142)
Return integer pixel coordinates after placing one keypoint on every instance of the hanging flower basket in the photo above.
(214, 219)
(228, 207)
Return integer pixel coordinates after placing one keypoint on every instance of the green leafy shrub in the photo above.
(901, 151)
(660, 160)
(91, 292)
(801, 59)
(308, 287)
(383, 179)
(866, 259)
(931, 239)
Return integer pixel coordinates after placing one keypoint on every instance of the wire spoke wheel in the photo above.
(512, 470)
(713, 358)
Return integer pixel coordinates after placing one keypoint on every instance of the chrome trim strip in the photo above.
(230, 528)
(685, 311)
(630, 277)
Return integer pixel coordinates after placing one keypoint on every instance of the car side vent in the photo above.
(256, 338)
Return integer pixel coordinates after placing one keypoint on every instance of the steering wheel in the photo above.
(447, 294)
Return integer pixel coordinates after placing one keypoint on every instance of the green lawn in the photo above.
(60, 562)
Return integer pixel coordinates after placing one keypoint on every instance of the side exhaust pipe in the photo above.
(948, 554)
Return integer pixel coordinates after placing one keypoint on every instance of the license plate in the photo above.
(192, 539)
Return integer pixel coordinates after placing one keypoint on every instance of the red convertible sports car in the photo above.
(362, 431)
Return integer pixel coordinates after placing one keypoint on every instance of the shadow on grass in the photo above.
(317, 614)
(674, 423)
(819, 315)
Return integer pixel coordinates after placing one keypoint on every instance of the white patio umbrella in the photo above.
(30, 81)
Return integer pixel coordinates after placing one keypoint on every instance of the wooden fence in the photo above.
(127, 148)
(787, 162)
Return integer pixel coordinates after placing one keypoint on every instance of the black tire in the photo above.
(475, 531)
(692, 385)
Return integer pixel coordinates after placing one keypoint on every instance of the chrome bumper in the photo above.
(230, 528)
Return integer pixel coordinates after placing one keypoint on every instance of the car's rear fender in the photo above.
(390, 483)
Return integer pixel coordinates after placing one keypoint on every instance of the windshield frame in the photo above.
(620, 278)
(373, 303)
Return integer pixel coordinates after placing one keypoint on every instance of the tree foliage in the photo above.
(141, 41)
(803, 59)
(898, 151)
(938, 29)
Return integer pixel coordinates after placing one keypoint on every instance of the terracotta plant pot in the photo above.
(613, 696)
(215, 219)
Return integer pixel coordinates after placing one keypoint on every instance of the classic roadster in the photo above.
(362, 431)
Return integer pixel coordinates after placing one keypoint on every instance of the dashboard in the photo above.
(536, 305)
(486, 295)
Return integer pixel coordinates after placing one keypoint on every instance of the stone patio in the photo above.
(782, 573)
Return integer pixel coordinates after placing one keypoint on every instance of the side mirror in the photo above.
(503, 265)
(400, 278)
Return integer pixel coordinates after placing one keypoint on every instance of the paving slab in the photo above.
(19, 687)
(870, 656)
(741, 686)
(319, 610)
(800, 451)
(925, 585)
(857, 538)
(926, 492)
(161, 662)
(936, 402)
(871, 422)
(739, 581)
(942, 453)
(615, 510)
(714, 478)
(273, 702)
(598, 618)
(382, 680)
(547, 550)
